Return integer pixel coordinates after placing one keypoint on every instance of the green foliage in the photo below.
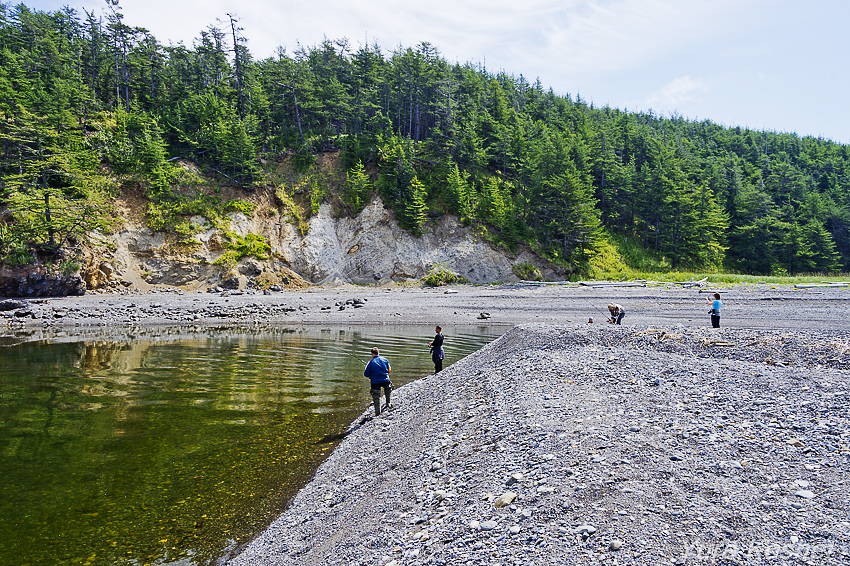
(440, 275)
(415, 211)
(13, 248)
(239, 247)
(527, 271)
(69, 267)
(130, 142)
(517, 161)
(357, 188)
(246, 208)
(293, 213)
(460, 195)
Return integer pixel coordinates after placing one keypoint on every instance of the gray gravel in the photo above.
(744, 306)
(594, 445)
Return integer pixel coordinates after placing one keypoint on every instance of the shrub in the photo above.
(440, 275)
(242, 206)
(69, 267)
(527, 271)
(238, 247)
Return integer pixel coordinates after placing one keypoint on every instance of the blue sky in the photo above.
(764, 64)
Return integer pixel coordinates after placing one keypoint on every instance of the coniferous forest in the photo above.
(91, 106)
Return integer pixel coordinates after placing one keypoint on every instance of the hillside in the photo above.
(95, 114)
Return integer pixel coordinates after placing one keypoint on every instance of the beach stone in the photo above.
(515, 529)
(805, 494)
(795, 442)
(615, 545)
(489, 525)
(474, 524)
(505, 499)
(12, 304)
(584, 530)
(514, 479)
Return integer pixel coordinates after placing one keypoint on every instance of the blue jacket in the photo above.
(378, 370)
(715, 307)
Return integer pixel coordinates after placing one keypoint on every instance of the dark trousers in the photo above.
(438, 364)
(715, 321)
(620, 317)
(376, 395)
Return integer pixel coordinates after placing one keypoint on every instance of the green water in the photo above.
(175, 443)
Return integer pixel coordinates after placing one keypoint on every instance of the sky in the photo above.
(779, 65)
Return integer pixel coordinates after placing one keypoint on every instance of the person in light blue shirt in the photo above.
(378, 371)
(715, 310)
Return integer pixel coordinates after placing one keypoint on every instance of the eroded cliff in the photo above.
(369, 248)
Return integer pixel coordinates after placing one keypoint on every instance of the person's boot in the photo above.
(376, 400)
(387, 392)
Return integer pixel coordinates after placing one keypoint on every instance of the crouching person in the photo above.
(378, 371)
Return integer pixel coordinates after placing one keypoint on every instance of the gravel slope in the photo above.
(621, 445)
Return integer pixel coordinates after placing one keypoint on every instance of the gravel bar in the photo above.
(593, 444)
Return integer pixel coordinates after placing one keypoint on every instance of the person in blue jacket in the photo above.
(715, 310)
(378, 371)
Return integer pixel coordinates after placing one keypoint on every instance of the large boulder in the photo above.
(35, 282)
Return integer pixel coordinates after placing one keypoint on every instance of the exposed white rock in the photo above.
(369, 248)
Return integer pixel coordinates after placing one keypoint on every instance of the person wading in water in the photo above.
(378, 371)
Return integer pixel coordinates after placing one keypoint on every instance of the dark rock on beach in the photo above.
(37, 283)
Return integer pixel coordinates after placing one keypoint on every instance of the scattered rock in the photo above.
(505, 499)
(11, 304)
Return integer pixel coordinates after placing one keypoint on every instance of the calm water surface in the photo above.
(174, 443)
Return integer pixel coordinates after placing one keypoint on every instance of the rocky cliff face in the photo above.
(369, 248)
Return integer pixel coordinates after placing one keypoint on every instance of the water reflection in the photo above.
(164, 442)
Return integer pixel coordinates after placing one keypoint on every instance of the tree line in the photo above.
(82, 90)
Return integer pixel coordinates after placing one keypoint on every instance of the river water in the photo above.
(175, 444)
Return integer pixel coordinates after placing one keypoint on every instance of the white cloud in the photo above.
(678, 91)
